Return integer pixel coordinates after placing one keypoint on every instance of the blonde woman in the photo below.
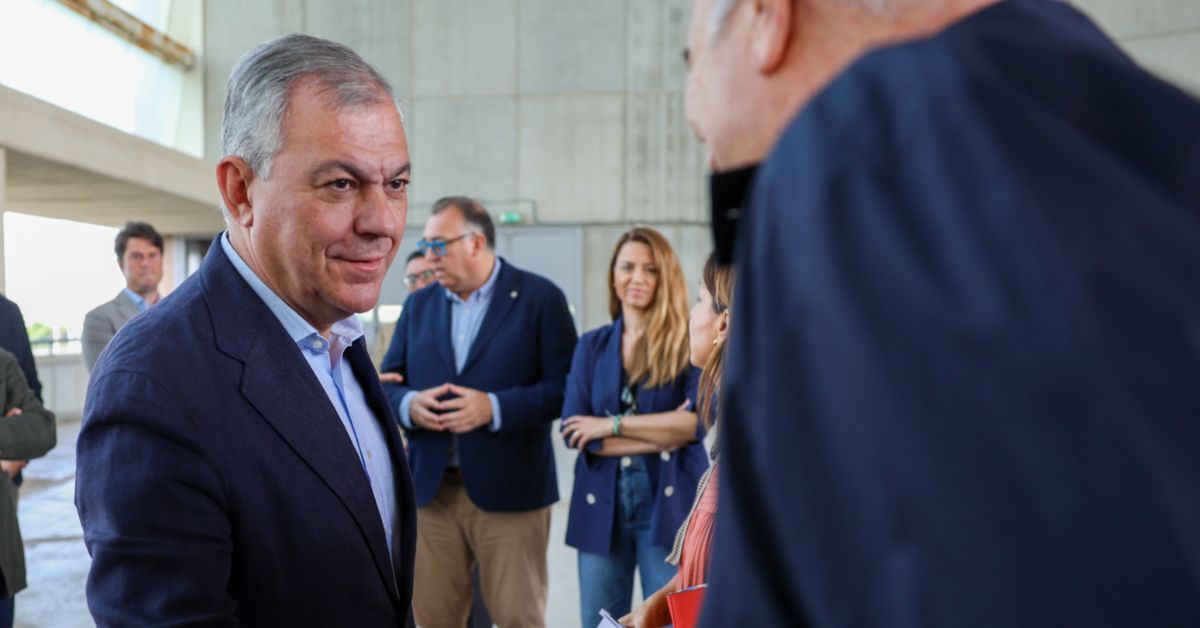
(708, 327)
(628, 411)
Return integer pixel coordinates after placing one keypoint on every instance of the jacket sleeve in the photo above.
(153, 507)
(396, 361)
(578, 400)
(22, 349)
(97, 333)
(532, 406)
(33, 432)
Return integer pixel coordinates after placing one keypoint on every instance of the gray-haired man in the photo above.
(238, 462)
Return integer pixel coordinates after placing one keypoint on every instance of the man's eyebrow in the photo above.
(338, 165)
(401, 170)
(353, 171)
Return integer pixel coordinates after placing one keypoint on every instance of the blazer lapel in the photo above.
(126, 308)
(504, 296)
(304, 418)
(368, 378)
(608, 378)
(442, 316)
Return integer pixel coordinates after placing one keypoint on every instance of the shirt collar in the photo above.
(301, 332)
(137, 299)
(485, 291)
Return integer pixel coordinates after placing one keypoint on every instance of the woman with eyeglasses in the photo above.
(628, 411)
(707, 328)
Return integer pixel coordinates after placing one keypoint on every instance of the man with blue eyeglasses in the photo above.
(484, 360)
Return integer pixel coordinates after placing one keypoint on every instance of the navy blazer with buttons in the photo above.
(594, 389)
(216, 484)
(521, 354)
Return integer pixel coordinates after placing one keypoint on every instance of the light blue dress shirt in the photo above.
(337, 379)
(137, 299)
(466, 317)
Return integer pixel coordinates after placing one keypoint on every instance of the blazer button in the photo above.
(666, 456)
(669, 491)
(591, 499)
(626, 461)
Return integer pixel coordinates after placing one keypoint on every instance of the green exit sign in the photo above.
(509, 218)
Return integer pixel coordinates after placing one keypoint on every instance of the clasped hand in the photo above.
(468, 410)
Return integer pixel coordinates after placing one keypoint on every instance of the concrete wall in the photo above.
(568, 111)
(1163, 35)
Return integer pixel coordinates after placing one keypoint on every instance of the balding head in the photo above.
(753, 64)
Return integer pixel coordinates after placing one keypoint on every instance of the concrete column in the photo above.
(3, 205)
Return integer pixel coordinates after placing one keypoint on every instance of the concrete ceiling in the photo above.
(62, 165)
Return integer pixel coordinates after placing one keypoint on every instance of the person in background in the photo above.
(628, 410)
(139, 251)
(238, 462)
(484, 358)
(963, 382)
(27, 430)
(418, 271)
(14, 338)
(708, 329)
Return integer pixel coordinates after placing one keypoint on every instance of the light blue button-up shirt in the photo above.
(137, 299)
(337, 379)
(466, 317)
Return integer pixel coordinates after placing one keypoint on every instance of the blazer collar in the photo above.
(246, 330)
(125, 305)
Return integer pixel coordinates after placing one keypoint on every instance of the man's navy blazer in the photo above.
(217, 485)
(521, 354)
(963, 385)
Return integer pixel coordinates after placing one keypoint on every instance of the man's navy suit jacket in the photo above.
(522, 354)
(216, 483)
(964, 377)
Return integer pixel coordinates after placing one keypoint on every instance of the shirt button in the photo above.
(669, 491)
(626, 461)
(666, 456)
(591, 499)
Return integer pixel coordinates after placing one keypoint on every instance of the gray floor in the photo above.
(57, 561)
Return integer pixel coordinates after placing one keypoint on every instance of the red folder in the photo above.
(685, 606)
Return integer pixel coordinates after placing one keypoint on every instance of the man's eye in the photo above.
(398, 184)
(342, 184)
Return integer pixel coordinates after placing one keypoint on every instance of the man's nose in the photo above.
(377, 214)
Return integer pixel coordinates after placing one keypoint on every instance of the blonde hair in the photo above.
(718, 280)
(661, 354)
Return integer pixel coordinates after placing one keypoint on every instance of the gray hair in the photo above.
(256, 100)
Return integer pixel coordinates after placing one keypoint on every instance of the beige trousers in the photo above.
(510, 548)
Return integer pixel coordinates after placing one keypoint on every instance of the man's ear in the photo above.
(234, 176)
(770, 34)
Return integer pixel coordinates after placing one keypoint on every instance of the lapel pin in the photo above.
(513, 294)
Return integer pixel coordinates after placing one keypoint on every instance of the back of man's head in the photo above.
(260, 85)
(135, 229)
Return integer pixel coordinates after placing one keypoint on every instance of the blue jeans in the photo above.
(607, 581)
(7, 606)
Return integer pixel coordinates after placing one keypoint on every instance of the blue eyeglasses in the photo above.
(438, 245)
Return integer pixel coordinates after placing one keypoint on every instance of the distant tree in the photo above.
(39, 331)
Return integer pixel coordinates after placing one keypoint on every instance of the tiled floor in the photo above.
(57, 561)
